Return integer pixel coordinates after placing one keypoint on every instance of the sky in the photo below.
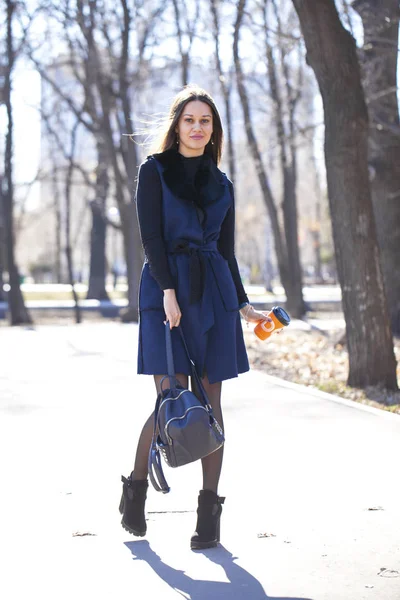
(25, 102)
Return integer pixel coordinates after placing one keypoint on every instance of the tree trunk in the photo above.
(379, 61)
(331, 52)
(68, 249)
(185, 59)
(2, 244)
(225, 90)
(295, 302)
(18, 312)
(97, 273)
(134, 264)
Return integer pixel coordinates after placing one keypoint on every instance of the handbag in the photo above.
(185, 428)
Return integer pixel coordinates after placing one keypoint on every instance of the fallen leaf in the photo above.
(388, 573)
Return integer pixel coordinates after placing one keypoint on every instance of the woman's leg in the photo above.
(209, 509)
(140, 470)
(212, 463)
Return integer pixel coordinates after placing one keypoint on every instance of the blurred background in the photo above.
(303, 95)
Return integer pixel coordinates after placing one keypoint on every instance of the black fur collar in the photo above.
(209, 182)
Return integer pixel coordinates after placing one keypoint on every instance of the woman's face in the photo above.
(195, 127)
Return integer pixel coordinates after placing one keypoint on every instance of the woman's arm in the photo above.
(149, 213)
(226, 246)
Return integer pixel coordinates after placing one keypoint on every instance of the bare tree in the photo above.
(332, 53)
(99, 38)
(226, 87)
(288, 275)
(379, 59)
(285, 99)
(185, 32)
(97, 272)
(18, 311)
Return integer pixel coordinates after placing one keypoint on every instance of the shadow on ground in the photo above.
(242, 584)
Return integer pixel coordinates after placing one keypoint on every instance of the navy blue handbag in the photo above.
(185, 428)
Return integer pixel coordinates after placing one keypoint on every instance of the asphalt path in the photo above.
(311, 484)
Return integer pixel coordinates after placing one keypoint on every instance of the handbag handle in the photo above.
(171, 367)
(170, 357)
(154, 466)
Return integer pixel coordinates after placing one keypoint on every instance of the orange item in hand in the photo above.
(280, 319)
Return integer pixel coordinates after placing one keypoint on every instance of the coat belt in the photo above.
(197, 265)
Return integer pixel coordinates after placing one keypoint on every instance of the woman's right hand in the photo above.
(171, 308)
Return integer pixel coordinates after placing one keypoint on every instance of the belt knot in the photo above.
(197, 266)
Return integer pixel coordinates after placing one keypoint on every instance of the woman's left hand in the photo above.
(249, 313)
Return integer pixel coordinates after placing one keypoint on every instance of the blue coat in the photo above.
(204, 287)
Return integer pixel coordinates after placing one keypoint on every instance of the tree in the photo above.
(97, 271)
(286, 243)
(99, 38)
(332, 53)
(68, 248)
(185, 33)
(18, 312)
(379, 64)
(226, 87)
(285, 99)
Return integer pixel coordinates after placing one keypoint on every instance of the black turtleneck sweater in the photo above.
(149, 212)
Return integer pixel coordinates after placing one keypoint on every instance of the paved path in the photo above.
(308, 469)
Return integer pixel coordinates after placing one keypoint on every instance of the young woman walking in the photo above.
(186, 213)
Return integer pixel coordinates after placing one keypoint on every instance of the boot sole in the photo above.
(125, 526)
(132, 531)
(203, 545)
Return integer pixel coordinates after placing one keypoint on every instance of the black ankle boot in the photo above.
(209, 511)
(132, 504)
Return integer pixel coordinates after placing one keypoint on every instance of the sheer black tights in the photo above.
(212, 464)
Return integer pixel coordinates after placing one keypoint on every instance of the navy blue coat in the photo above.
(204, 287)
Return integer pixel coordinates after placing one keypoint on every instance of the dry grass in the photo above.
(315, 359)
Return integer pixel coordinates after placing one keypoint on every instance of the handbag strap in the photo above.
(154, 465)
(170, 356)
(195, 375)
(171, 367)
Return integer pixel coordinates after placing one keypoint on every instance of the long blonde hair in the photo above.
(167, 139)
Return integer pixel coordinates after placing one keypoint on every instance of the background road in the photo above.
(311, 484)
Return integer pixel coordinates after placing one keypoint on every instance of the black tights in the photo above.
(212, 463)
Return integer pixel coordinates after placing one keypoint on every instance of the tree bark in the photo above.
(17, 309)
(134, 266)
(2, 244)
(58, 230)
(332, 53)
(97, 274)
(68, 248)
(379, 62)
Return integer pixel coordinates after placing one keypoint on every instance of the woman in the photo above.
(186, 214)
